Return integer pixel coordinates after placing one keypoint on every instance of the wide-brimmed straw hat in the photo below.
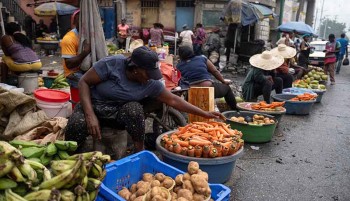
(285, 51)
(135, 44)
(266, 60)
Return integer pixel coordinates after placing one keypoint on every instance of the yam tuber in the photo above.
(155, 183)
(186, 176)
(204, 174)
(200, 185)
(155, 191)
(177, 188)
(133, 197)
(160, 177)
(182, 199)
(193, 168)
(179, 179)
(168, 183)
(198, 197)
(133, 188)
(188, 185)
(125, 193)
(158, 198)
(147, 177)
(140, 198)
(142, 188)
(185, 194)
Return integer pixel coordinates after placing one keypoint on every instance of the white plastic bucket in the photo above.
(70, 108)
(28, 81)
(53, 109)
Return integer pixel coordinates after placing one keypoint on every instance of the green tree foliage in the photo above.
(332, 27)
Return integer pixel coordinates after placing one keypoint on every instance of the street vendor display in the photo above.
(201, 139)
(76, 177)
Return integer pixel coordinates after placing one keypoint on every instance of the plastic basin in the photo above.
(319, 95)
(294, 107)
(219, 169)
(129, 170)
(246, 106)
(252, 133)
(298, 91)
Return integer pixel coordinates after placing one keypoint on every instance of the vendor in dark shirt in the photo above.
(261, 79)
(111, 92)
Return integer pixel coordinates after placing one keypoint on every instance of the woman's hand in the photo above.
(214, 115)
(93, 126)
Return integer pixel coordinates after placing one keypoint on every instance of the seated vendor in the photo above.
(19, 55)
(261, 79)
(111, 92)
(288, 53)
(198, 71)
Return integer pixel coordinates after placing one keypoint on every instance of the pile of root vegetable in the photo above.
(191, 186)
(304, 97)
(77, 177)
(204, 139)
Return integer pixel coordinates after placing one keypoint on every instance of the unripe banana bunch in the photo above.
(23, 175)
(59, 82)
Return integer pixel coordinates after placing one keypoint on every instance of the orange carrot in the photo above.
(182, 143)
(199, 142)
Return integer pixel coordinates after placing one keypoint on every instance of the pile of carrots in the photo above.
(265, 106)
(204, 139)
(304, 97)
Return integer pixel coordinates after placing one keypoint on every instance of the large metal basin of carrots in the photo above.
(219, 169)
(252, 133)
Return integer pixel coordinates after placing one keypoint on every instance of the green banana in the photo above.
(39, 175)
(60, 166)
(16, 175)
(73, 145)
(35, 159)
(45, 160)
(51, 149)
(6, 166)
(2, 196)
(62, 145)
(93, 184)
(86, 156)
(96, 171)
(86, 196)
(85, 182)
(39, 166)
(63, 155)
(93, 195)
(56, 158)
(62, 179)
(21, 189)
(67, 195)
(28, 172)
(103, 175)
(105, 158)
(42, 195)
(32, 152)
(8, 151)
(6, 183)
(78, 177)
(11, 196)
(24, 144)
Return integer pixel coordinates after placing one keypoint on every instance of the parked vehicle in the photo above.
(317, 56)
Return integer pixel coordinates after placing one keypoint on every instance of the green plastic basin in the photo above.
(252, 133)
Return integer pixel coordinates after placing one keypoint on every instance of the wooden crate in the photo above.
(202, 97)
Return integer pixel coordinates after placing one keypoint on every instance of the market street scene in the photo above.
(174, 100)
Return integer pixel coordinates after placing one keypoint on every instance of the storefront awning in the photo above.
(264, 10)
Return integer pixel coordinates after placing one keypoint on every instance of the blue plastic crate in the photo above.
(129, 170)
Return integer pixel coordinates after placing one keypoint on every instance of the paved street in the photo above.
(308, 158)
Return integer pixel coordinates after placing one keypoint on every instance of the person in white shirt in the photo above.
(186, 36)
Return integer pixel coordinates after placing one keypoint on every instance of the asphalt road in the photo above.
(308, 157)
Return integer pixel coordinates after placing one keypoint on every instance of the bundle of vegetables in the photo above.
(274, 106)
(204, 139)
(191, 186)
(304, 97)
(59, 82)
(78, 177)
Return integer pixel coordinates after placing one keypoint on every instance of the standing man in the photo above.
(199, 39)
(332, 47)
(41, 29)
(343, 51)
(122, 33)
(186, 36)
(71, 58)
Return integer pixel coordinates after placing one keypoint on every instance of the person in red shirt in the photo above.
(122, 33)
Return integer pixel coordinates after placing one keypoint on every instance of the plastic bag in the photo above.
(346, 62)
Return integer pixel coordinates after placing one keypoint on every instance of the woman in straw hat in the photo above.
(261, 79)
(288, 53)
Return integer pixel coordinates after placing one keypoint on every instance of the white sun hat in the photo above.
(135, 44)
(285, 51)
(266, 60)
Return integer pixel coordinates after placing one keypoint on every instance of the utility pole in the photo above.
(325, 28)
(300, 9)
(315, 21)
(321, 15)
